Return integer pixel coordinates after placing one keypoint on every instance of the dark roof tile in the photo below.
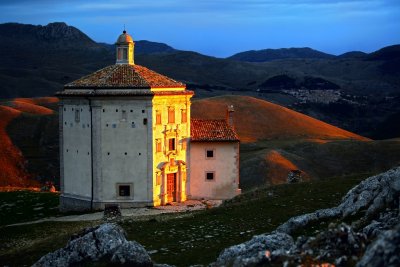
(125, 76)
(211, 130)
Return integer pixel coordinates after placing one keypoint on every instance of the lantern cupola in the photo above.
(125, 49)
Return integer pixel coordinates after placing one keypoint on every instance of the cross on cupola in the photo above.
(125, 48)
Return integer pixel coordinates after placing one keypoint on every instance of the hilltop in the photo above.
(282, 53)
(276, 140)
(26, 156)
(257, 120)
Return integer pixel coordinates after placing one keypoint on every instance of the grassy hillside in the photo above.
(28, 141)
(190, 238)
(257, 120)
(276, 140)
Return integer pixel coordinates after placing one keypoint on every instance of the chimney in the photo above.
(229, 116)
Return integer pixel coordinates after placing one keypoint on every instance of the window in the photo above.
(171, 115)
(209, 153)
(158, 145)
(145, 121)
(125, 54)
(77, 116)
(124, 190)
(210, 176)
(124, 115)
(119, 53)
(171, 144)
(158, 117)
(183, 116)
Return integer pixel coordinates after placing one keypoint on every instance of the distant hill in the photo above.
(387, 53)
(39, 60)
(282, 53)
(353, 54)
(257, 120)
(143, 47)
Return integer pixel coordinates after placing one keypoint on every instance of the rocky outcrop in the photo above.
(254, 251)
(376, 199)
(384, 251)
(106, 243)
(373, 195)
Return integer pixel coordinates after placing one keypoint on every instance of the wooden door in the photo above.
(171, 187)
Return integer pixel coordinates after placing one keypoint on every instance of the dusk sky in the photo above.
(224, 27)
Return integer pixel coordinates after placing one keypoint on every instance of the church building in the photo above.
(127, 138)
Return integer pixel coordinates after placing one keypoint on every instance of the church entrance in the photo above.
(171, 187)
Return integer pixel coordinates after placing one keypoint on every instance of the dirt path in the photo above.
(133, 213)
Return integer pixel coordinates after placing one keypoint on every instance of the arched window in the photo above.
(125, 54)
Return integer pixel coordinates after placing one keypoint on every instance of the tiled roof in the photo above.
(125, 76)
(211, 130)
(118, 92)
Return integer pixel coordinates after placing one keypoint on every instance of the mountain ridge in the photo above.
(33, 66)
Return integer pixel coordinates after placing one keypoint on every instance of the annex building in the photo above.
(127, 138)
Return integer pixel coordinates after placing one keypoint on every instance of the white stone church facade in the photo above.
(127, 138)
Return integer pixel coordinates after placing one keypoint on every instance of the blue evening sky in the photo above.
(224, 27)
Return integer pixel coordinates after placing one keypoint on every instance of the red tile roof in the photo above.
(125, 76)
(212, 130)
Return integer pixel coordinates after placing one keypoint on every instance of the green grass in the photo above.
(198, 239)
(189, 238)
(23, 206)
(23, 245)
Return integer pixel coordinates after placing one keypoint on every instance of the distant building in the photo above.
(127, 138)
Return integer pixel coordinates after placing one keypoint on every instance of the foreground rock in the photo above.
(384, 251)
(106, 243)
(376, 199)
(255, 251)
(372, 195)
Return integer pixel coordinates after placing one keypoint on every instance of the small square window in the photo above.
(145, 121)
(209, 153)
(124, 190)
(210, 176)
(143, 111)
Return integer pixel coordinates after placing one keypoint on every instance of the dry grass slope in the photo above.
(257, 119)
(12, 161)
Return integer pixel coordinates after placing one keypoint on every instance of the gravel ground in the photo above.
(189, 205)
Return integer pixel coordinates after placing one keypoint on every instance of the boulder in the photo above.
(384, 251)
(254, 252)
(106, 242)
(373, 194)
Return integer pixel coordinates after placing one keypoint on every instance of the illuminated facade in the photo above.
(125, 139)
